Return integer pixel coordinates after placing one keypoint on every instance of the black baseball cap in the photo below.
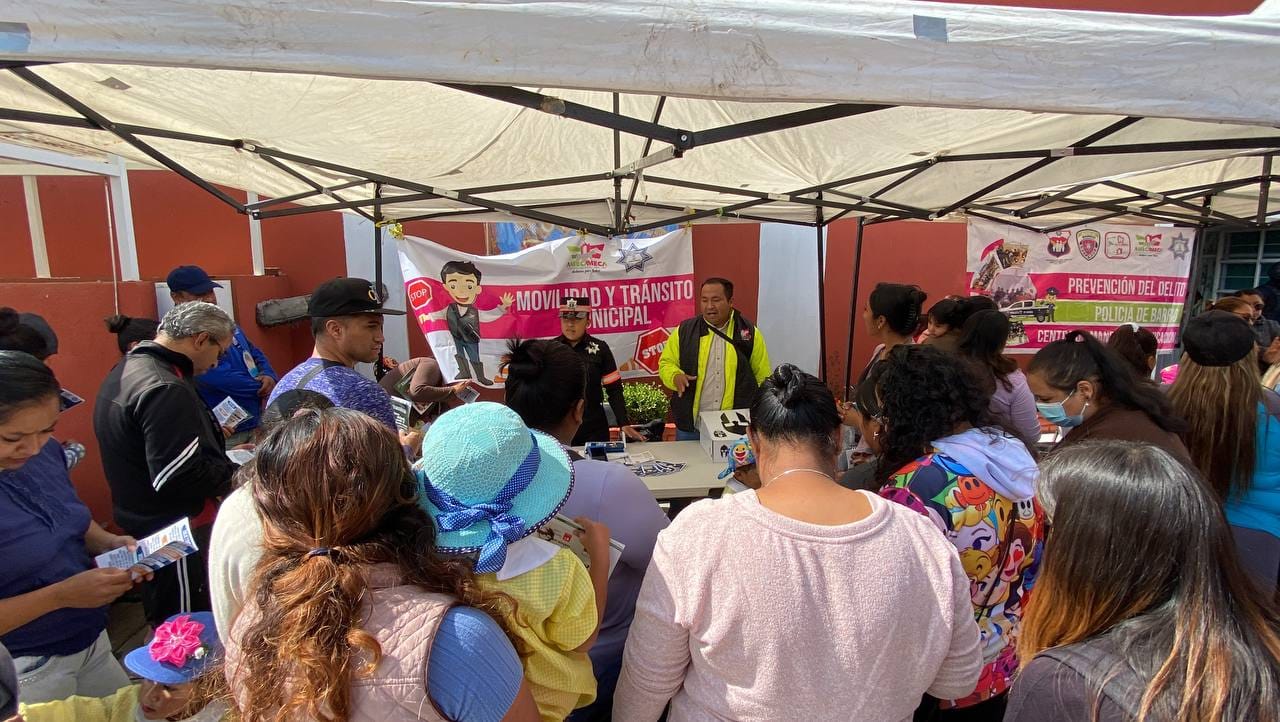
(1218, 338)
(347, 297)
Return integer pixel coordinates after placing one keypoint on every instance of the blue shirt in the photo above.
(237, 375)
(1259, 507)
(473, 674)
(42, 528)
(343, 386)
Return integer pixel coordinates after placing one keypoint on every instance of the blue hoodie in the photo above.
(1001, 462)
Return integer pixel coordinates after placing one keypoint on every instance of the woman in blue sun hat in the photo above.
(490, 483)
(180, 681)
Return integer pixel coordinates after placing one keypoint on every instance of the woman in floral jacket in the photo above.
(942, 456)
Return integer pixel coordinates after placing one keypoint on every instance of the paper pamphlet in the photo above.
(240, 456)
(403, 410)
(564, 531)
(230, 414)
(68, 399)
(153, 553)
(468, 395)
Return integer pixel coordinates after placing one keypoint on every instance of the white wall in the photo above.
(788, 305)
(358, 233)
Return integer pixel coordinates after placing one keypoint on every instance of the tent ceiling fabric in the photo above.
(332, 83)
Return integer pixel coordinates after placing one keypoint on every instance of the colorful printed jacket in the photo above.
(1000, 543)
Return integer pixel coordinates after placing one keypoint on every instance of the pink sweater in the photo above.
(749, 615)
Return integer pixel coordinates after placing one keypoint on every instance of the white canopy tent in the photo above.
(788, 111)
(620, 116)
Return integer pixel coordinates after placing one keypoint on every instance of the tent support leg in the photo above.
(822, 295)
(648, 144)
(617, 180)
(853, 307)
(1263, 195)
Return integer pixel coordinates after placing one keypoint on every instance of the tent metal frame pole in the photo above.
(438, 192)
(104, 123)
(617, 161)
(898, 182)
(1005, 221)
(1096, 219)
(1264, 192)
(325, 191)
(820, 259)
(696, 215)
(745, 216)
(775, 123)
(544, 183)
(303, 177)
(639, 174)
(480, 211)
(680, 140)
(1111, 129)
(1180, 146)
(1167, 199)
(379, 368)
(1051, 198)
(794, 197)
(853, 306)
(575, 111)
(879, 201)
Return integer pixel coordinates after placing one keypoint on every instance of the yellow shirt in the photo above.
(555, 614)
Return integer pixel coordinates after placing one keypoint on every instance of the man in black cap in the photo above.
(243, 375)
(602, 373)
(346, 321)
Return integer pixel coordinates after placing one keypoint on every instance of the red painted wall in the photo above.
(930, 255)
(86, 352)
(16, 260)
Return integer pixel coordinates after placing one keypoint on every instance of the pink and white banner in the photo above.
(1093, 277)
(468, 307)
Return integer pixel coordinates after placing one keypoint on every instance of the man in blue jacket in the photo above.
(243, 375)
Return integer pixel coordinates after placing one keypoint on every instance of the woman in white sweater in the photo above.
(802, 600)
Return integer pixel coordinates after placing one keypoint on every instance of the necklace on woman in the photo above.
(779, 475)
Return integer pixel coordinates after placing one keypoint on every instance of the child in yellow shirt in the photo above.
(490, 483)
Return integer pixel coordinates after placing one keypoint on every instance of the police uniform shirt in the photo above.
(602, 371)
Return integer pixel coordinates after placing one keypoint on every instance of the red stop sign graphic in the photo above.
(419, 293)
(649, 349)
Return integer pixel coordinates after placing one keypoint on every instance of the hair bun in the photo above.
(790, 384)
(9, 321)
(525, 361)
(117, 323)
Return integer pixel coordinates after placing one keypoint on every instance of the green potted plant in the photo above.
(647, 406)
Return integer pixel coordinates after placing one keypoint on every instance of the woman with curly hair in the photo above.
(942, 455)
(1091, 392)
(353, 614)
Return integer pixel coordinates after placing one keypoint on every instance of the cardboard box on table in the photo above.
(718, 430)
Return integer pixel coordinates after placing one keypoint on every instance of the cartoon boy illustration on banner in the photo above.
(461, 280)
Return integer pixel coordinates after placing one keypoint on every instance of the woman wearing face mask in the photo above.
(53, 601)
(1085, 387)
